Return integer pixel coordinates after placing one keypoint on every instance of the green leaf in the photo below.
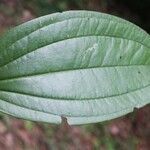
(85, 66)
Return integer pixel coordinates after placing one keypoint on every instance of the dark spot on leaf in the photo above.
(120, 57)
(139, 72)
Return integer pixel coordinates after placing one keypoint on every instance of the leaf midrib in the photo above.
(74, 99)
(68, 70)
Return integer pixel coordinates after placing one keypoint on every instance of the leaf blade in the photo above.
(54, 66)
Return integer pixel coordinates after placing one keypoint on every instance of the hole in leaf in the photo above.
(63, 120)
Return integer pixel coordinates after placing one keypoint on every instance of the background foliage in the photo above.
(127, 133)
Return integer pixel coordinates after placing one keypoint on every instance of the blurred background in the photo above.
(131, 132)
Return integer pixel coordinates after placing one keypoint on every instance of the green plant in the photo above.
(85, 66)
